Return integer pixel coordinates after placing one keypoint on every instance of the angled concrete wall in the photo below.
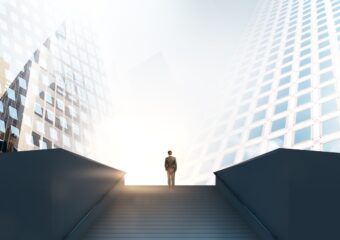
(294, 193)
(44, 194)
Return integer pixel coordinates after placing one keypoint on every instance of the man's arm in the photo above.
(166, 164)
(175, 164)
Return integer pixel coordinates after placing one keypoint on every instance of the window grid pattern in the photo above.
(290, 65)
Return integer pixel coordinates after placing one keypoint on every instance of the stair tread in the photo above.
(190, 212)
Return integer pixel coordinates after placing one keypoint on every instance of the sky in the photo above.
(167, 62)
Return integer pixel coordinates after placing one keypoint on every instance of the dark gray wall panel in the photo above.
(295, 193)
(44, 194)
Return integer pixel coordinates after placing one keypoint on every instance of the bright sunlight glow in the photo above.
(166, 62)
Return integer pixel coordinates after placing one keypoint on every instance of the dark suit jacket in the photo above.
(170, 162)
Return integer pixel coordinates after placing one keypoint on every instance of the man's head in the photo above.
(169, 152)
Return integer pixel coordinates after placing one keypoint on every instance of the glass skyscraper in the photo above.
(52, 92)
(284, 90)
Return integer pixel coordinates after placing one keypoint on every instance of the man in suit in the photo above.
(171, 167)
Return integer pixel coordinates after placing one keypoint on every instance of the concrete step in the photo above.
(154, 212)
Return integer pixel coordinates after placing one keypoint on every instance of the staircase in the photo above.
(154, 212)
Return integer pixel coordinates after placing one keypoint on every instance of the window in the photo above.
(305, 61)
(265, 88)
(239, 123)
(255, 132)
(305, 43)
(11, 94)
(278, 124)
(323, 44)
(13, 113)
(251, 151)
(303, 115)
(332, 146)
(282, 93)
(43, 145)
(305, 52)
(304, 85)
(324, 53)
(287, 59)
(228, 159)
(22, 83)
(303, 99)
(23, 100)
(50, 116)
(281, 107)
(268, 76)
(323, 28)
(270, 67)
(327, 91)
(322, 36)
(291, 42)
(326, 76)
(275, 143)
(1, 107)
(286, 69)
(259, 115)
(15, 131)
(38, 109)
(330, 126)
(304, 72)
(289, 50)
(303, 134)
(49, 98)
(36, 139)
(63, 122)
(304, 36)
(262, 101)
(60, 105)
(329, 107)
(284, 80)
(2, 126)
(325, 64)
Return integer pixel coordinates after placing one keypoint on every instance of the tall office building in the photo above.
(24, 26)
(58, 94)
(284, 91)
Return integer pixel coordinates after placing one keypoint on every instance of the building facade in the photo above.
(58, 95)
(284, 91)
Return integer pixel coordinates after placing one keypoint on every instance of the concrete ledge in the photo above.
(46, 193)
(294, 193)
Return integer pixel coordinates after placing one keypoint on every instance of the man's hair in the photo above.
(169, 152)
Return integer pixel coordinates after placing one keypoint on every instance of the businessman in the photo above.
(171, 167)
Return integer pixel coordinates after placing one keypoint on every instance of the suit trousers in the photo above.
(171, 178)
